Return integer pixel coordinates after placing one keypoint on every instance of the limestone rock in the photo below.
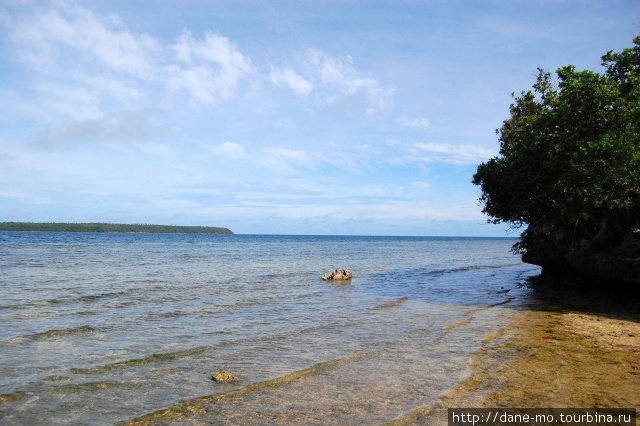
(338, 275)
(604, 252)
(223, 376)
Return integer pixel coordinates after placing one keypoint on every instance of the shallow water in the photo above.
(101, 328)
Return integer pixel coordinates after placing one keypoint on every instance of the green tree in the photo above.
(570, 152)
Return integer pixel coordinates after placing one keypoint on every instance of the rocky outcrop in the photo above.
(338, 275)
(604, 252)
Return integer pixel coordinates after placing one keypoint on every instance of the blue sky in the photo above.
(299, 117)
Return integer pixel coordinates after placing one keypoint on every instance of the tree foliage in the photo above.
(570, 149)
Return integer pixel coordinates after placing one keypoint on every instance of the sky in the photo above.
(275, 117)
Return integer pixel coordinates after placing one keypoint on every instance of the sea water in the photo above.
(98, 328)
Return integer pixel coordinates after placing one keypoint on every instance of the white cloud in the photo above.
(341, 209)
(354, 89)
(284, 160)
(75, 101)
(340, 72)
(420, 185)
(13, 194)
(228, 149)
(214, 49)
(446, 153)
(139, 126)
(45, 35)
(158, 149)
(210, 68)
(127, 93)
(291, 79)
(421, 123)
(87, 64)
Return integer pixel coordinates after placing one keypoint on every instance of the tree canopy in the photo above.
(570, 150)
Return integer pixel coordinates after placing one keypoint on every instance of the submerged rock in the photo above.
(338, 275)
(223, 376)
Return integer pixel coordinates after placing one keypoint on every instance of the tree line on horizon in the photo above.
(110, 227)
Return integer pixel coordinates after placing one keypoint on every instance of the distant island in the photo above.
(111, 227)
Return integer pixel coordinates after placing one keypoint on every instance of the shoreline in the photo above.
(556, 356)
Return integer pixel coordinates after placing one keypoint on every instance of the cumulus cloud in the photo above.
(291, 79)
(88, 38)
(210, 68)
(354, 89)
(89, 65)
(98, 64)
(85, 63)
(340, 72)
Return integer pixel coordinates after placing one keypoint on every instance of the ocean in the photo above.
(99, 328)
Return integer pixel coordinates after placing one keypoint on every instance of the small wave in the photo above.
(314, 328)
(55, 378)
(14, 396)
(285, 275)
(390, 304)
(417, 416)
(85, 387)
(255, 301)
(52, 302)
(288, 378)
(173, 314)
(141, 361)
(450, 327)
(181, 407)
(54, 333)
(68, 300)
(496, 334)
(444, 271)
(92, 297)
(504, 302)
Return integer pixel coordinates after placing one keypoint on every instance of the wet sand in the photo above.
(580, 356)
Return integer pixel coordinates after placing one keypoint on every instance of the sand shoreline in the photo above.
(585, 355)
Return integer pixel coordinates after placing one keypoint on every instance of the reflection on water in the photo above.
(103, 328)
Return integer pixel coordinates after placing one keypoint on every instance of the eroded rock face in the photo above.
(338, 275)
(605, 253)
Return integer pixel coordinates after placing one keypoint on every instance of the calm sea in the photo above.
(100, 328)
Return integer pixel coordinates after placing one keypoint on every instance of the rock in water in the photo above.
(223, 376)
(338, 275)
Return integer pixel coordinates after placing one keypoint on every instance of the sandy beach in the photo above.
(583, 355)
